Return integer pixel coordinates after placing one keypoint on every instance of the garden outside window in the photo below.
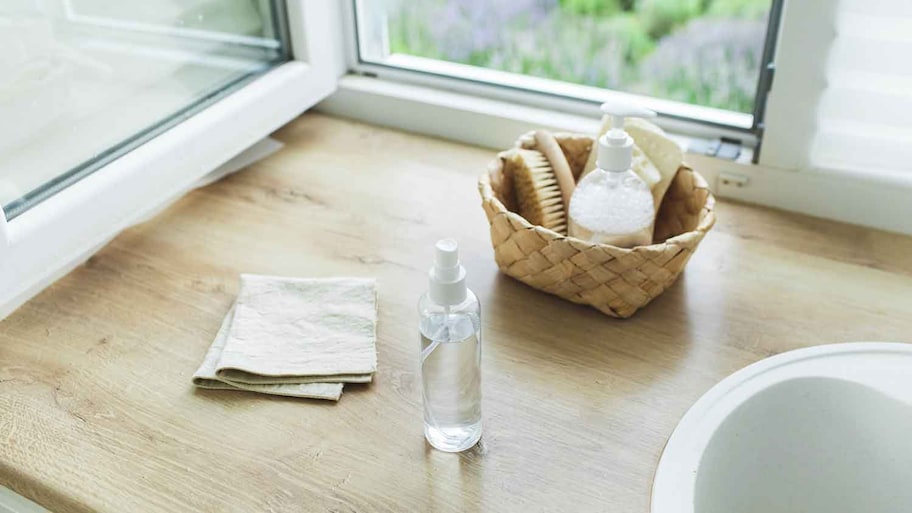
(694, 60)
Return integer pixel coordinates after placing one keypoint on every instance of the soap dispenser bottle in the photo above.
(611, 204)
(450, 356)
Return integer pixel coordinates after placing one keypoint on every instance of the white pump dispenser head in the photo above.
(615, 151)
(447, 276)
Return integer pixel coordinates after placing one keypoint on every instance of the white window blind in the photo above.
(847, 102)
(864, 119)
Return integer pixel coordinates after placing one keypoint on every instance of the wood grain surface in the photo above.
(97, 412)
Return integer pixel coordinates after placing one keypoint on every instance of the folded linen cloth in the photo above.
(296, 337)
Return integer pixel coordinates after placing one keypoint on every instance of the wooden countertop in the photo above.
(97, 412)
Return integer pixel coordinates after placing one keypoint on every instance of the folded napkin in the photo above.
(296, 337)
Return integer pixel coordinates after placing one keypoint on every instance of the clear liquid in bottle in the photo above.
(451, 379)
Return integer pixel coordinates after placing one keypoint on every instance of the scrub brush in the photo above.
(538, 195)
(546, 143)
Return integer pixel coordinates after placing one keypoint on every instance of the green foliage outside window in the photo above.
(705, 52)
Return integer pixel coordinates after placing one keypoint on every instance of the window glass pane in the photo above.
(700, 52)
(82, 81)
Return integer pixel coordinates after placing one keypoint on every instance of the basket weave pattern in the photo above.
(616, 281)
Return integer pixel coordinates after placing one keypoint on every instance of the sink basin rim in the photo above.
(674, 484)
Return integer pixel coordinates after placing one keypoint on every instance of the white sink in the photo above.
(826, 429)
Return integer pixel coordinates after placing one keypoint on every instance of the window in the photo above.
(810, 98)
(92, 79)
(698, 60)
(843, 103)
(110, 110)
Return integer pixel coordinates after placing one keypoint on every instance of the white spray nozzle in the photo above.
(447, 276)
(446, 260)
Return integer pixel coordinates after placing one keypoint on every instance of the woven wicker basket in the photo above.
(614, 280)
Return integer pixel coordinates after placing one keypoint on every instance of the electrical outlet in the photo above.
(733, 180)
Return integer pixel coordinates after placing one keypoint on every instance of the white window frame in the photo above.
(51, 238)
(493, 116)
(532, 91)
(791, 107)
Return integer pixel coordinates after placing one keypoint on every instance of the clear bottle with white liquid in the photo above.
(611, 204)
(450, 357)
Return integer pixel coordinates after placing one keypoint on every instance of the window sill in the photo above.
(867, 200)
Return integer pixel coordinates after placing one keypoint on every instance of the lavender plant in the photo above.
(712, 62)
(705, 52)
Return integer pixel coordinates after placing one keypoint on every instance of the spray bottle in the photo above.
(450, 357)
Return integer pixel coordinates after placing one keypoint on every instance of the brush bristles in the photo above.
(537, 193)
